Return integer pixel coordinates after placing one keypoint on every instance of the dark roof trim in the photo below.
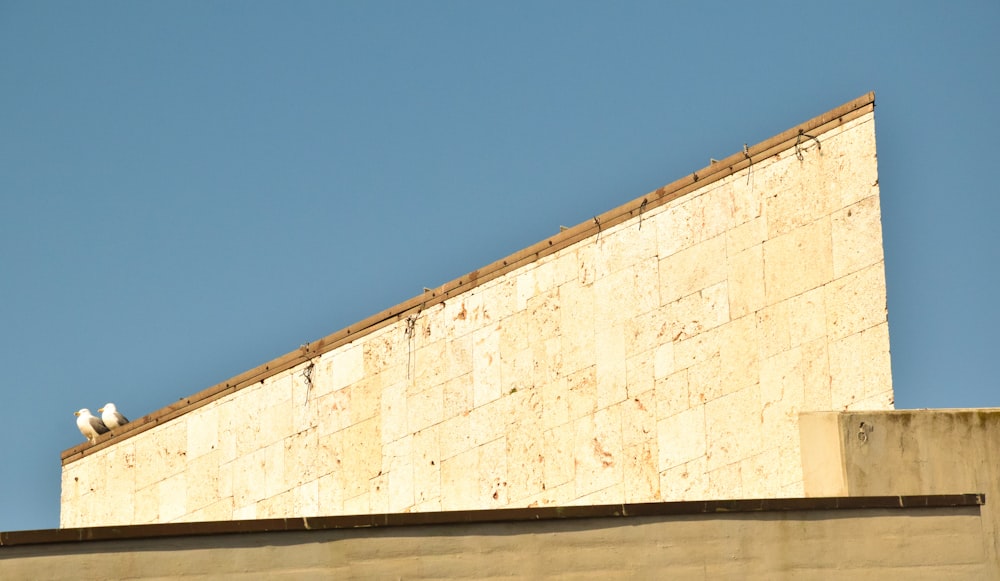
(661, 509)
(714, 172)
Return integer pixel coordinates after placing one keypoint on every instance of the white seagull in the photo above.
(90, 426)
(112, 418)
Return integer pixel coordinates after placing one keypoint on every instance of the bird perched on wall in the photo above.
(90, 425)
(111, 416)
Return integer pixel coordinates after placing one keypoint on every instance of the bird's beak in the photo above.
(101, 410)
(76, 413)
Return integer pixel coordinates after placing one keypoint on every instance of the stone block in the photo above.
(559, 458)
(488, 423)
(387, 347)
(425, 409)
(459, 482)
(277, 389)
(586, 260)
(362, 459)
(300, 458)
(806, 316)
(610, 495)
(610, 347)
(732, 430)
(739, 354)
(566, 266)
(577, 324)
(147, 506)
(641, 478)
(638, 419)
(275, 480)
(486, 365)
(745, 278)
(202, 483)
(491, 475)
(306, 500)
(517, 371)
(276, 422)
(378, 494)
(747, 235)
(816, 377)
(623, 247)
(366, 399)
(160, 453)
(203, 431)
(695, 349)
(685, 481)
(639, 373)
(556, 400)
(544, 317)
(579, 397)
(860, 367)
(249, 479)
(546, 365)
(857, 236)
(672, 395)
(394, 416)
(725, 482)
(626, 294)
(456, 435)
(785, 255)
(704, 214)
(773, 329)
(851, 157)
(397, 464)
(797, 198)
(248, 512)
(878, 366)
(663, 361)
(330, 494)
(757, 474)
(705, 380)
(646, 332)
(681, 438)
(692, 269)
(782, 393)
(219, 510)
(333, 413)
(426, 449)
(172, 494)
(675, 227)
(463, 314)
(699, 312)
(855, 302)
(225, 483)
(360, 504)
(789, 464)
(525, 457)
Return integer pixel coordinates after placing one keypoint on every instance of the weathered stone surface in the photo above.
(667, 357)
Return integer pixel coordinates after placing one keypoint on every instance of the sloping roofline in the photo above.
(716, 171)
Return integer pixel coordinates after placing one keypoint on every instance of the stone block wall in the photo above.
(664, 358)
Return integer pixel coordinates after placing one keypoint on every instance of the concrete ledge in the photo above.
(651, 509)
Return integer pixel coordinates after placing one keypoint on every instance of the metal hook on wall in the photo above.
(798, 143)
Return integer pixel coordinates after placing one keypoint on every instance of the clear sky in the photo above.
(190, 189)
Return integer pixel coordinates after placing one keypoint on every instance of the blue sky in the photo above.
(190, 189)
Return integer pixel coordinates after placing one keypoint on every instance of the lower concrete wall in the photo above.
(907, 452)
(881, 543)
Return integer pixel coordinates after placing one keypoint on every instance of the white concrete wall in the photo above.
(666, 358)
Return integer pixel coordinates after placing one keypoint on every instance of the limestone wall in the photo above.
(664, 358)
